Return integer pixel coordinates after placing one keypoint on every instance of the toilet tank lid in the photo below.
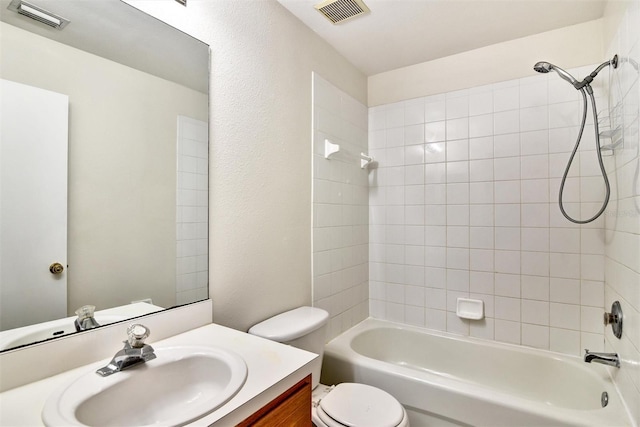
(291, 325)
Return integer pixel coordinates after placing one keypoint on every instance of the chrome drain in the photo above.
(604, 399)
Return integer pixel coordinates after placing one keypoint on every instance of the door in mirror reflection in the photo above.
(33, 204)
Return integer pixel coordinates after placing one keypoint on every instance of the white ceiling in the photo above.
(398, 33)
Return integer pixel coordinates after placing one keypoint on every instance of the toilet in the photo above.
(345, 404)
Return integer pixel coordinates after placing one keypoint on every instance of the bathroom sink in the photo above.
(181, 385)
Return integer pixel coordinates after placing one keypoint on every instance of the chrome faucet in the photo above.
(135, 351)
(85, 319)
(610, 359)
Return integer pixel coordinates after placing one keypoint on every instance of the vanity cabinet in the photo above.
(291, 409)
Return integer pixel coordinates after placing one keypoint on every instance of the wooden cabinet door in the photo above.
(291, 409)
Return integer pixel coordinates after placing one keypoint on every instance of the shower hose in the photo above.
(575, 150)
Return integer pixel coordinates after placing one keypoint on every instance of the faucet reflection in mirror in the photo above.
(137, 224)
(85, 318)
(17, 337)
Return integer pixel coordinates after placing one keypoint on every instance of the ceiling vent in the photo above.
(338, 11)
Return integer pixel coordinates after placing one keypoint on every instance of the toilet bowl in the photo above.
(353, 404)
(345, 404)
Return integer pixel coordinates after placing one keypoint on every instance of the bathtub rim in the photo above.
(340, 347)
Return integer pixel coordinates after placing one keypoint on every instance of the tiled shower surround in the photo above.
(191, 210)
(464, 204)
(340, 216)
(622, 218)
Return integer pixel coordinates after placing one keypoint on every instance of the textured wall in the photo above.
(260, 149)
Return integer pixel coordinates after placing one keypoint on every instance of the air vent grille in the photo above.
(338, 11)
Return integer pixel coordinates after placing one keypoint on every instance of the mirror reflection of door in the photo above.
(33, 204)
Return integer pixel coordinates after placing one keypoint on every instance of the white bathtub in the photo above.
(445, 379)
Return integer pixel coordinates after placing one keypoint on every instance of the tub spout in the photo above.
(610, 359)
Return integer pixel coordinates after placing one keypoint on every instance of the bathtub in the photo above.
(443, 379)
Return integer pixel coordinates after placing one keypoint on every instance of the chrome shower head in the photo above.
(542, 67)
(545, 67)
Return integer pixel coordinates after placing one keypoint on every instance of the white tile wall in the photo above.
(465, 206)
(621, 267)
(340, 199)
(192, 211)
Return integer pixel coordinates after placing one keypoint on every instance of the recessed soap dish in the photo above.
(470, 308)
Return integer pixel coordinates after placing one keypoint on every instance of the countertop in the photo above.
(272, 369)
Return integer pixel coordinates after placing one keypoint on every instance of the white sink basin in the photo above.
(181, 385)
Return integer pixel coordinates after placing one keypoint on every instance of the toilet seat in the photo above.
(360, 405)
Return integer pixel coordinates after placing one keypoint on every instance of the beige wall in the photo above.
(569, 47)
(260, 149)
(122, 142)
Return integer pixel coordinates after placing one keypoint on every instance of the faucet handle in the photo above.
(85, 312)
(614, 318)
(137, 333)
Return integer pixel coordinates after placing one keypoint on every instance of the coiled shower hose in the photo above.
(599, 153)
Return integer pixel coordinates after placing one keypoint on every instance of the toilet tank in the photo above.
(303, 327)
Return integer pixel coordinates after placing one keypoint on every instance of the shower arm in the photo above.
(586, 82)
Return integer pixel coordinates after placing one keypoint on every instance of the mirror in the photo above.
(136, 196)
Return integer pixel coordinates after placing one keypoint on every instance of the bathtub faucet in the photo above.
(610, 359)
